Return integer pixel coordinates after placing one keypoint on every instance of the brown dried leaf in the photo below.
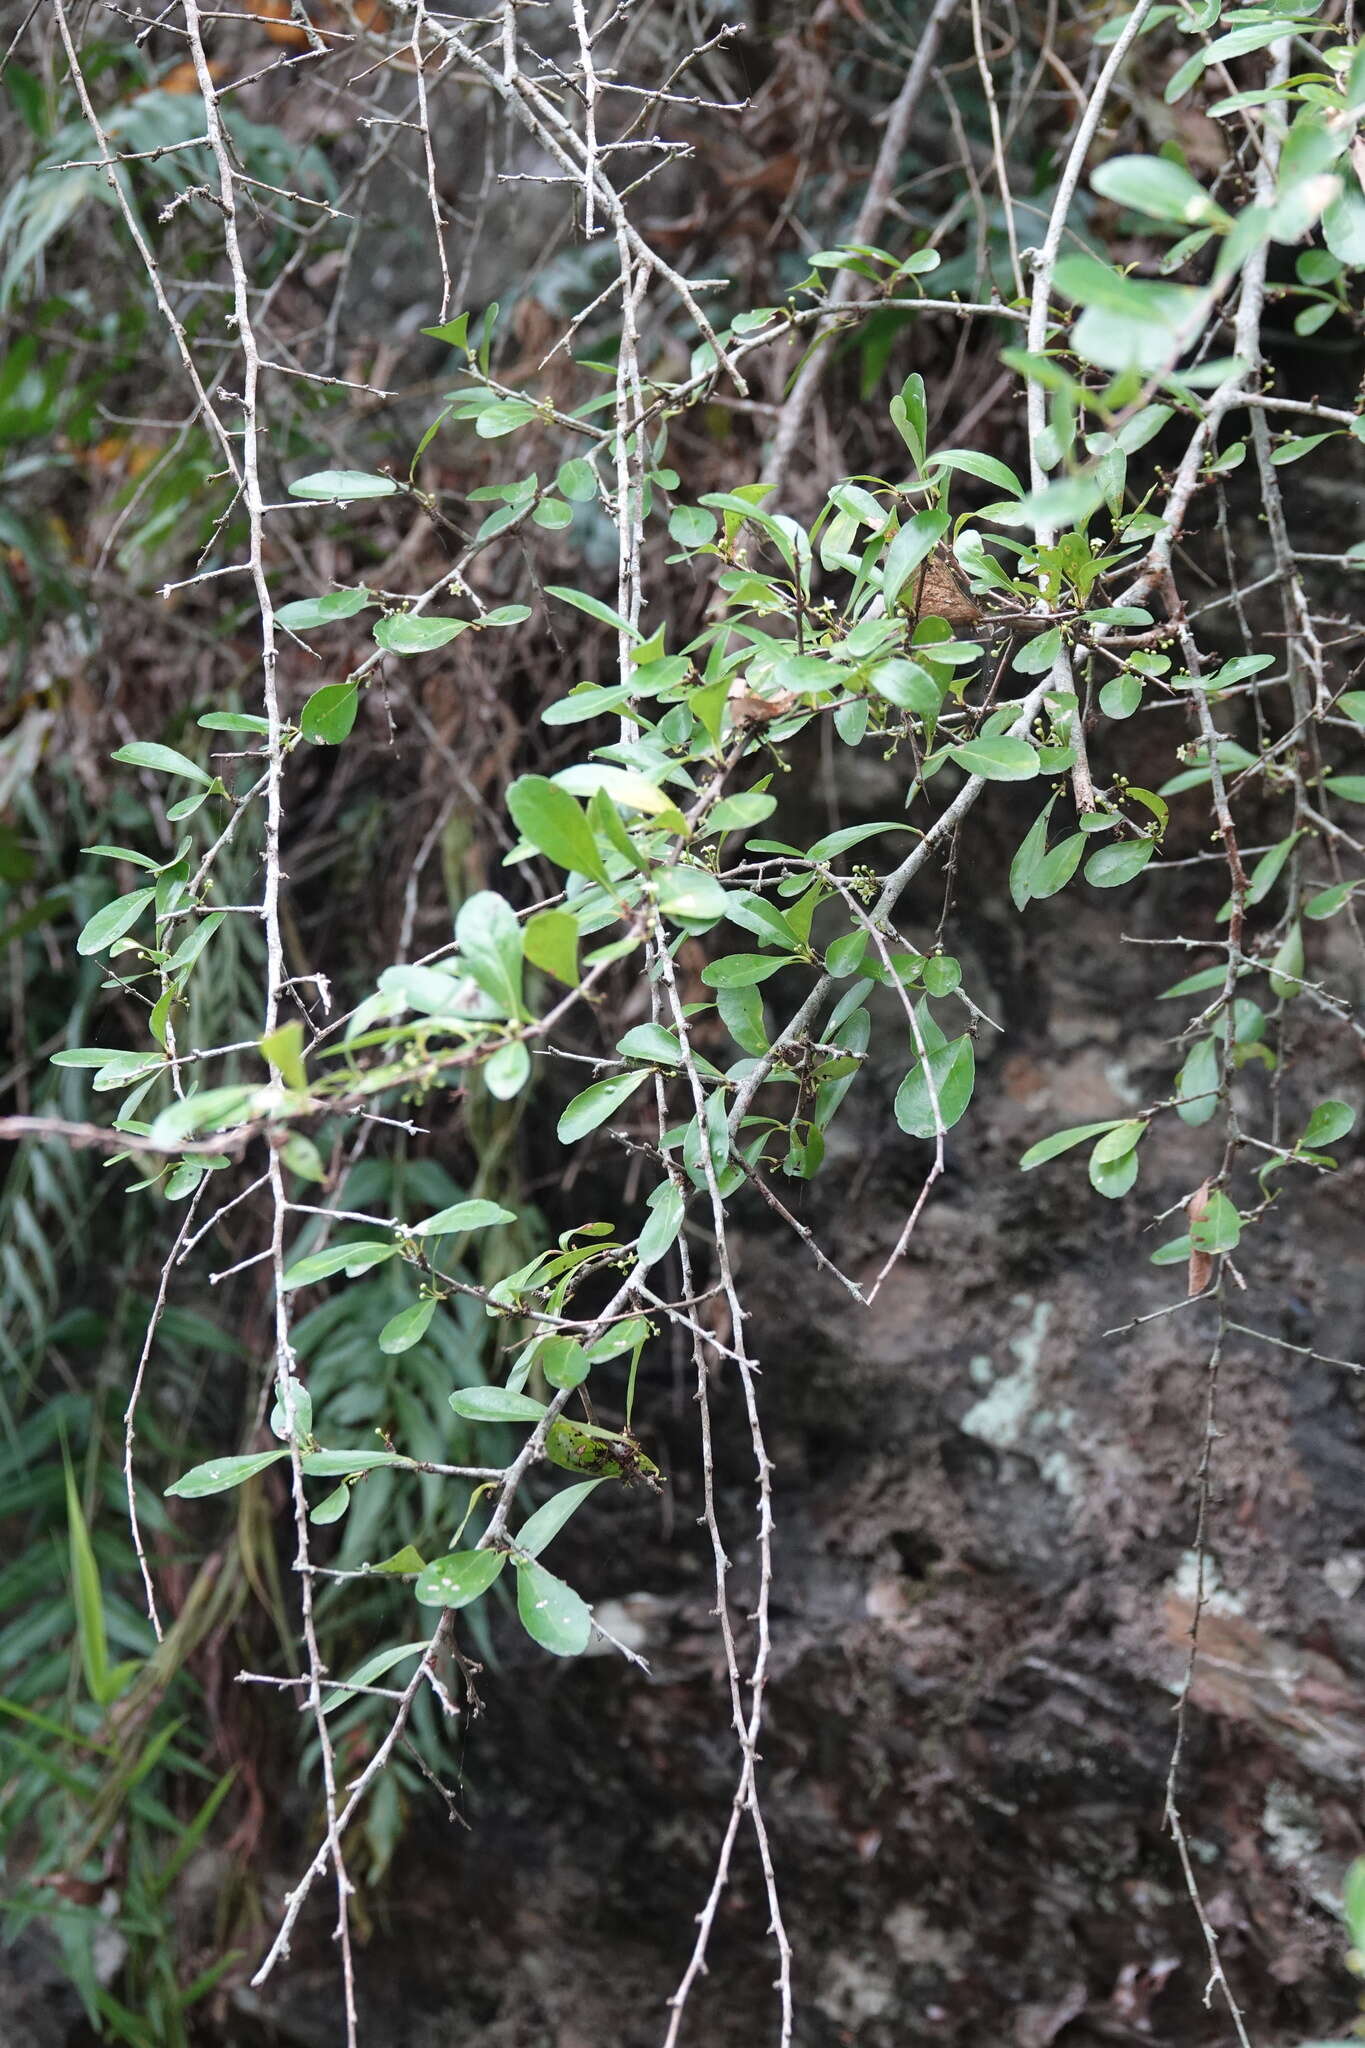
(943, 592)
(1201, 1262)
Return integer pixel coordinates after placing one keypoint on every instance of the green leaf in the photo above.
(691, 527)
(1195, 984)
(221, 721)
(540, 1529)
(113, 921)
(555, 824)
(1330, 1120)
(1056, 868)
(1286, 969)
(953, 1070)
(563, 1361)
(503, 416)
(690, 895)
(1121, 696)
(997, 760)
(908, 685)
(593, 607)
(455, 331)
(459, 1578)
(404, 633)
(550, 942)
(408, 1327)
(374, 1668)
(552, 1614)
(942, 974)
(307, 612)
(404, 1562)
(1219, 1229)
(650, 1042)
(622, 785)
(740, 813)
(743, 970)
(1155, 185)
(87, 1596)
(339, 1464)
(1198, 1082)
(488, 934)
(1114, 1177)
(666, 1206)
(597, 1103)
(331, 1508)
(577, 479)
(914, 543)
(973, 463)
(495, 1404)
(506, 1073)
(284, 1049)
(349, 1259)
(220, 1475)
(342, 485)
(330, 713)
(462, 1216)
(1118, 1142)
(1029, 858)
(1350, 788)
(1062, 1141)
(1109, 867)
(146, 754)
(1328, 902)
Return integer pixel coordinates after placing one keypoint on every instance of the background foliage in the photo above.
(555, 569)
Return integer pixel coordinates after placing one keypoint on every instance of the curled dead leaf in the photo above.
(1201, 1262)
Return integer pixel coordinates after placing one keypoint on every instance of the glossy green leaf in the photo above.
(350, 1259)
(541, 1528)
(488, 934)
(596, 1104)
(1062, 1141)
(307, 612)
(508, 1070)
(690, 895)
(666, 1207)
(459, 1578)
(1057, 867)
(997, 760)
(552, 1614)
(146, 754)
(593, 608)
(342, 485)
(408, 1327)
(1286, 968)
(563, 1361)
(409, 633)
(495, 1404)
(952, 1068)
(461, 1216)
(1198, 1083)
(1330, 1120)
(550, 942)
(113, 921)
(1156, 186)
(1109, 867)
(220, 1475)
(556, 825)
(1219, 1229)
(332, 1506)
(330, 714)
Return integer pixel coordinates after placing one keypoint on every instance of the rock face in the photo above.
(985, 1510)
